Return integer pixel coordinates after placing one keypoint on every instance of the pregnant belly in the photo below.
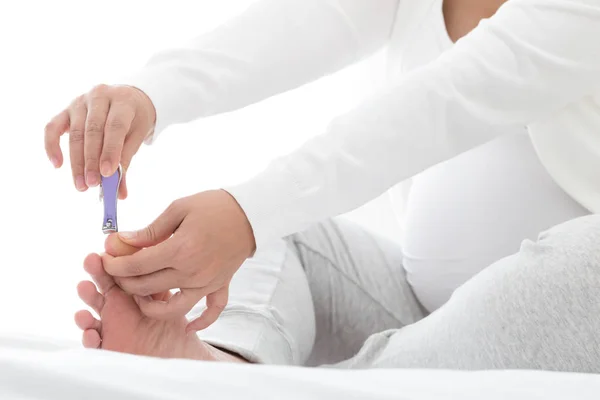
(475, 209)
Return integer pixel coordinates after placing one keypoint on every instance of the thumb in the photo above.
(114, 246)
(158, 231)
(123, 187)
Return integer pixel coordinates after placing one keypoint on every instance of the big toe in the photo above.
(117, 248)
(93, 266)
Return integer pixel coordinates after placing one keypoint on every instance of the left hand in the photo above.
(196, 245)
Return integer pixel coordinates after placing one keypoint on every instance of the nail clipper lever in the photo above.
(109, 192)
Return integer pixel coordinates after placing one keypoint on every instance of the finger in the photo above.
(93, 265)
(118, 123)
(52, 133)
(147, 285)
(163, 296)
(85, 320)
(144, 262)
(215, 304)
(123, 186)
(130, 148)
(158, 231)
(91, 339)
(98, 106)
(77, 116)
(177, 306)
(114, 246)
(89, 294)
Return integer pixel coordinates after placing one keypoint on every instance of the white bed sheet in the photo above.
(33, 369)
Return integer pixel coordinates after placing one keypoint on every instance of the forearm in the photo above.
(274, 46)
(514, 69)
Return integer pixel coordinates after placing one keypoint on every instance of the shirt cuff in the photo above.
(158, 88)
(272, 202)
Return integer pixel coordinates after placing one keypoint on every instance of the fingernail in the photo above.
(54, 162)
(136, 299)
(92, 179)
(106, 169)
(80, 183)
(127, 235)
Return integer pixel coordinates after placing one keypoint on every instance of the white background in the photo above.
(53, 51)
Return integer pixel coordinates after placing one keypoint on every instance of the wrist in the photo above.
(145, 103)
(243, 225)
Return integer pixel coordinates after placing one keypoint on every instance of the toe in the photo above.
(91, 339)
(90, 296)
(85, 320)
(117, 248)
(93, 266)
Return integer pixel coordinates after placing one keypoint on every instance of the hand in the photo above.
(197, 245)
(115, 247)
(106, 128)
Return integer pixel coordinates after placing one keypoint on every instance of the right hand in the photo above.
(106, 128)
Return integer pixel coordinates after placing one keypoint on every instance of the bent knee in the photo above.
(567, 255)
(578, 231)
(577, 240)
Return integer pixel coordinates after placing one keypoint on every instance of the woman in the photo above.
(456, 112)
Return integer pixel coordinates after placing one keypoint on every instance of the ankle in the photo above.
(224, 355)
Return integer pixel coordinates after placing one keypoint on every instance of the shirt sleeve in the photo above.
(272, 47)
(533, 58)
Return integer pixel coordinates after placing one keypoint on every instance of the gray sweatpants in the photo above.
(338, 295)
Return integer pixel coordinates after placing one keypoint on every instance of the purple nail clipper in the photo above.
(109, 192)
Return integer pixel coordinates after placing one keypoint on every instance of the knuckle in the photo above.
(115, 125)
(50, 127)
(91, 163)
(151, 233)
(76, 135)
(172, 210)
(123, 92)
(99, 90)
(94, 127)
(109, 151)
(78, 102)
(175, 207)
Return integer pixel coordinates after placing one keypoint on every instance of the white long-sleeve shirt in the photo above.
(535, 63)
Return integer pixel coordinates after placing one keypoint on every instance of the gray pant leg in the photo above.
(314, 297)
(537, 309)
(358, 287)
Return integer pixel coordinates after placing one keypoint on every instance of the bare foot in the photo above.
(123, 328)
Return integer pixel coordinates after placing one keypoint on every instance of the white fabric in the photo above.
(468, 212)
(475, 209)
(517, 68)
(34, 371)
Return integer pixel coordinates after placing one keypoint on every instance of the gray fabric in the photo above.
(337, 292)
(537, 309)
(358, 287)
